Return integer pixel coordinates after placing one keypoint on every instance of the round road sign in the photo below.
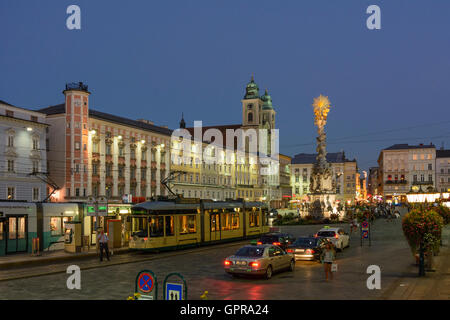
(145, 282)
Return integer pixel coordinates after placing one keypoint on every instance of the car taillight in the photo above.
(290, 250)
(259, 242)
(276, 243)
(254, 264)
(227, 262)
(315, 236)
(336, 236)
(310, 251)
(145, 239)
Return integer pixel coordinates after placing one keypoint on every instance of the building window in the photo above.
(133, 153)
(95, 147)
(109, 170)
(35, 194)
(11, 193)
(250, 117)
(77, 146)
(9, 113)
(144, 155)
(430, 166)
(10, 165)
(94, 169)
(10, 141)
(430, 177)
(35, 166)
(108, 149)
(35, 144)
(120, 151)
(77, 192)
(121, 171)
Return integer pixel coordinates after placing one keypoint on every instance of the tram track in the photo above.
(94, 263)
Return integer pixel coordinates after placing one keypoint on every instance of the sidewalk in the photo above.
(21, 260)
(434, 286)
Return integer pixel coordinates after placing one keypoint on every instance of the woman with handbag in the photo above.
(328, 257)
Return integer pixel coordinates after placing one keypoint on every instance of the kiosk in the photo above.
(72, 236)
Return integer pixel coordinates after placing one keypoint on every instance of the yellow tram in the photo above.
(178, 223)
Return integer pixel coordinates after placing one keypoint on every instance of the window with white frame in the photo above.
(10, 141)
(10, 165)
(35, 194)
(11, 193)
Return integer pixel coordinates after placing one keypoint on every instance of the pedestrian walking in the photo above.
(102, 239)
(328, 257)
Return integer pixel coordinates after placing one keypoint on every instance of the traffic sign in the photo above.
(174, 291)
(146, 285)
(365, 234)
(145, 282)
(365, 225)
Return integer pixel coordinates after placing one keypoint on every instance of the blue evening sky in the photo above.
(156, 59)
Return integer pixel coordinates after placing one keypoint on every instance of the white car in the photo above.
(337, 236)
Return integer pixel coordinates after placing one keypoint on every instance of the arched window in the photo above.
(250, 117)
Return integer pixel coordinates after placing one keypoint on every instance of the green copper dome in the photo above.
(267, 101)
(251, 90)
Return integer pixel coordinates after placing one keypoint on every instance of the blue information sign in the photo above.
(174, 291)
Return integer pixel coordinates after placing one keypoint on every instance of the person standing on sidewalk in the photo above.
(328, 256)
(102, 239)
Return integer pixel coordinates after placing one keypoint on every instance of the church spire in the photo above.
(182, 122)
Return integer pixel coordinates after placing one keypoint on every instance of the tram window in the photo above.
(169, 226)
(157, 227)
(187, 224)
(21, 229)
(235, 221)
(1, 230)
(139, 227)
(57, 225)
(254, 218)
(226, 221)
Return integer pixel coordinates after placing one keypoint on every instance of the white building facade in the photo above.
(23, 155)
(443, 170)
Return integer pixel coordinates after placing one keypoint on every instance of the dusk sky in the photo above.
(157, 59)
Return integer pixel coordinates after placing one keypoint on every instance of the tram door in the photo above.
(2, 236)
(215, 226)
(16, 235)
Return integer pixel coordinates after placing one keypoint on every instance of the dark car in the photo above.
(307, 248)
(283, 240)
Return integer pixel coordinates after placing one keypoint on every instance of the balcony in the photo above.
(396, 182)
(422, 182)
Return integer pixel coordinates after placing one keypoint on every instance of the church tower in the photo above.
(251, 106)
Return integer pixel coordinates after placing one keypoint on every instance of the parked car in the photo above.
(307, 248)
(282, 240)
(338, 237)
(260, 260)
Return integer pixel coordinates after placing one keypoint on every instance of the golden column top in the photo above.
(321, 108)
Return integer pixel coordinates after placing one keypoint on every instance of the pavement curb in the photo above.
(43, 261)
